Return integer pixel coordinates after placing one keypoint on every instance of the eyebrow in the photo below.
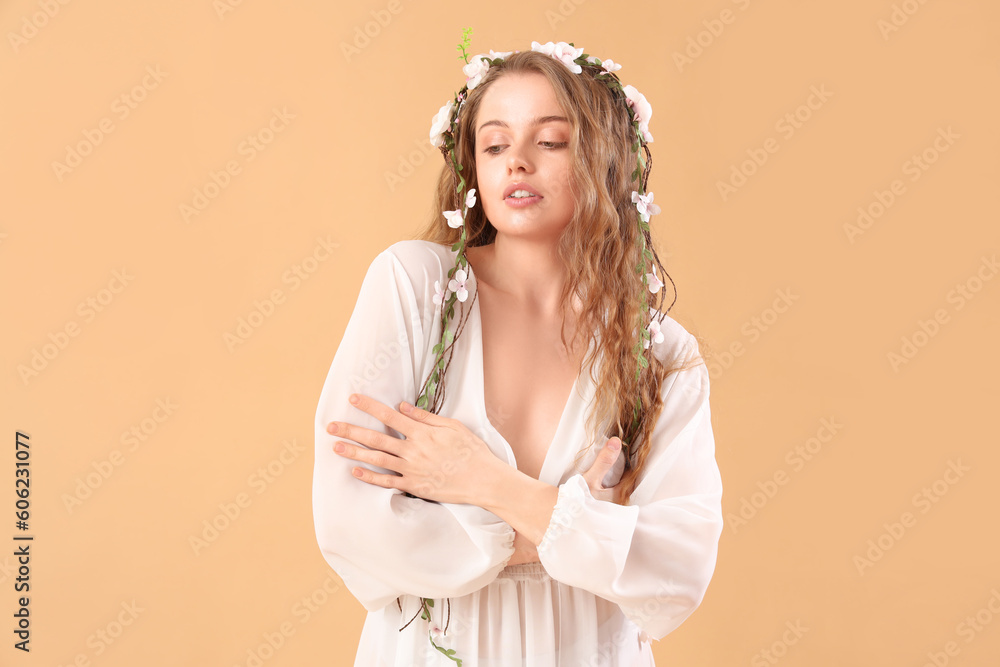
(534, 121)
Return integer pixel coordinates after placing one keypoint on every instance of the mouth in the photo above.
(522, 196)
(520, 192)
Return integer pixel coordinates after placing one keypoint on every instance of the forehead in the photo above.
(519, 95)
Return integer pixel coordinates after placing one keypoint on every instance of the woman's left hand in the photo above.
(440, 459)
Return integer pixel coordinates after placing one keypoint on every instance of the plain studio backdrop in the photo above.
(192, 192)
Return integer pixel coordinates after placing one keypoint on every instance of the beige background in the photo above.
(106, 541)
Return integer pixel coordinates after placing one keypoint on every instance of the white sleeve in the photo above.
(379, 541)
(653, 558)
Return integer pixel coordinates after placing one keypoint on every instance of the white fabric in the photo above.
(611, 578)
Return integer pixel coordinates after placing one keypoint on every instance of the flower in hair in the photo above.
(643, 110)
(454, 218)
(441, 124)
(440, 295)
(457, 285)
(608, 65)
(561, 51)
(654, 281)
(654, 333)
(476, 70)
(644, 204)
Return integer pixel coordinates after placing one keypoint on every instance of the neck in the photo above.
(528, 271)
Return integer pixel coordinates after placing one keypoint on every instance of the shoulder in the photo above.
(421, 261)
(679, 346)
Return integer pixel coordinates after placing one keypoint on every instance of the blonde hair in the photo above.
(600, 245)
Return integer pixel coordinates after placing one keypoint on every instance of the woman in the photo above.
(481, 501)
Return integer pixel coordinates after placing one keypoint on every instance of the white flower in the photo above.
(642, 108)
(608, 65)
(561, 51)
(457, 285)
(654, 333)
(644, 204)
(441, 123)
(654, 281)
(454, 218)
(479, 65)
(440, 295)
(475, 71)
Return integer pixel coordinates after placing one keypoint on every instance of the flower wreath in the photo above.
(442, 136)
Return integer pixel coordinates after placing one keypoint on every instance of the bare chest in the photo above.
(528, 377)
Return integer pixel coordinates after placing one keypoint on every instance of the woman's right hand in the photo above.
(524, 550)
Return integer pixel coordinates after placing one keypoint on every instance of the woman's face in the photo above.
(522, 148)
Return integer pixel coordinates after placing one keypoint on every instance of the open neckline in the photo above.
(481, 396)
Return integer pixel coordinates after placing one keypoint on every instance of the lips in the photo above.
(510, 189)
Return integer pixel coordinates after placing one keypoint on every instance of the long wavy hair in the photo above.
(599, 247)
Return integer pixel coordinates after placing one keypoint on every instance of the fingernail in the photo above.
(406, 407)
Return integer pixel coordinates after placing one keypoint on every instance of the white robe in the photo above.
(611, 578)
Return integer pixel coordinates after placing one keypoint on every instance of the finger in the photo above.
(377, 458)
(374, 478)
(365, 436)
(604, 462)
(423, 416)
(382, 412)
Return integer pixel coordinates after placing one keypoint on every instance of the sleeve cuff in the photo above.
(587, 540)
(509, 545)
(569, 505)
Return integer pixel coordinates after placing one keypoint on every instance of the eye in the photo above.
(555, 144)
(490, 151)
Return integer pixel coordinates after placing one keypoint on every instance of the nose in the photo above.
(518, 158)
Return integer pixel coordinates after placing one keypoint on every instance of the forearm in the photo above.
(520, 500)
(524, 551)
